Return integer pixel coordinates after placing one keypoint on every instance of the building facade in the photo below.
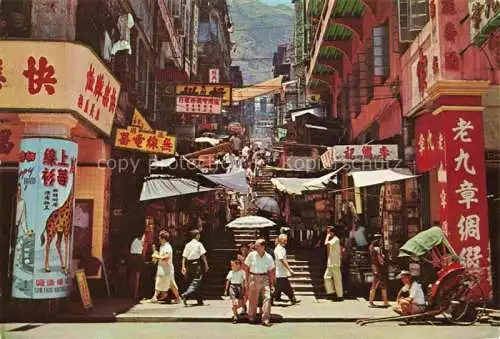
(63, 94)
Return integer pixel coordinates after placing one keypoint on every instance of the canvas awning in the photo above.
(162, 186)
(235, 181)
(370, 178)
(297, 186)
(257, 90)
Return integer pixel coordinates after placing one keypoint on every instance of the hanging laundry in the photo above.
(125, 23)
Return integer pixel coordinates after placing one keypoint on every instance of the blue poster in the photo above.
(44, 218)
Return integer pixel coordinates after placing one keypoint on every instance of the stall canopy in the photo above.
(163, 186)
(264, 88)
(297, 186)
(235, 181)
(370, 178)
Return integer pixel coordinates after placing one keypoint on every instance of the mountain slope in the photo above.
(258, 29)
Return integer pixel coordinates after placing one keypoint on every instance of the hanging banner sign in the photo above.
(198, 105)
(44, 218)
(207, 90)
(214, 76)
(150, 142)
(327, 158)
(350, 153)
(140, 122)
(83, 287)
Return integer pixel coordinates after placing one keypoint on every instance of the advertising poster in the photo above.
(44, 218)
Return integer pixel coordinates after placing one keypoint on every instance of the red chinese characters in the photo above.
(5, 144)
(349, 152)
(124, 138)
(98, 94)
(40, 76)
(448, 7)
(450, 32)
(27, 156)
(58, 167)
(3, 79)
(422, 72)
(466, 195)
(167, 145)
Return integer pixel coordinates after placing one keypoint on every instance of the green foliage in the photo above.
(258, 30)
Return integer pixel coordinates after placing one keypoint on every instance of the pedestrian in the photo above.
(333, 275)
(165, 270)
(235, 143)
(193, 256)
(379, 271)
(261, 275)
(244, 251)
(283, 271)
(414, 300)
(135, 263)
(235, 287)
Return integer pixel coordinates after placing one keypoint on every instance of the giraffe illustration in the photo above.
(60, 223)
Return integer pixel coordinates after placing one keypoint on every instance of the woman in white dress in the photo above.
(165, 271)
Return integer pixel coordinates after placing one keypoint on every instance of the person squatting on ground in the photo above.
(333, 275)
(261, 277)
(192, 257)
(411, 298)
(283, 271)
(379, 270)
(235, 287)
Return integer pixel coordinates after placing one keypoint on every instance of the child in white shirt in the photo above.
(235, 286)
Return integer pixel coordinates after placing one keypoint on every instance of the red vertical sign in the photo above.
(467, 216)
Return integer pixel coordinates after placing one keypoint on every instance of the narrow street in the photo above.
(230, 331)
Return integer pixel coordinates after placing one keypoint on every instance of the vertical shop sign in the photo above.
(44, 218)
(467, 219)
(194, 51)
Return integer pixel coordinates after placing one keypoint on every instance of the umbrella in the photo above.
(251, 221)
(267, 204)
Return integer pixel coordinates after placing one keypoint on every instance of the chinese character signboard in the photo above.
(140, 122)
(206, 90)
(57, 77)
(452, 143)
(350, 153)
(484, 19)
(150, 142)
(198, 105)
(194, 48)
(466, 201)
(44, 218)
(213, 75)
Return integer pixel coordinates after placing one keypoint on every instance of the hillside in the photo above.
(258, 29)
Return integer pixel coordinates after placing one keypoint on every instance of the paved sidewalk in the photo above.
(309, 309)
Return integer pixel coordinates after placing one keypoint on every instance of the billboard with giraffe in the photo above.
(44, 218)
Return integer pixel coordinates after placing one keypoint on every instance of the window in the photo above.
(381, 51)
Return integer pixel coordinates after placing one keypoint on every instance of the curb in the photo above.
(228, 320)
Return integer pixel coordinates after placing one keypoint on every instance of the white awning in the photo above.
(297, 186)
(161, 186)
(235, 181)
(370, 178)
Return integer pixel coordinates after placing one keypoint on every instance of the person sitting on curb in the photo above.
(414, 302)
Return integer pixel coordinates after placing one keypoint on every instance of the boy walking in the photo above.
(235, 287)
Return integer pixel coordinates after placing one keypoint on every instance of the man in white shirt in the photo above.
(333, 275)
(415, 301)
(261, 275)
(135, 263)
(283, 271)
(193, 255)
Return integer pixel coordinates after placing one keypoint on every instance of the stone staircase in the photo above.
(262, 186)
(307, 280)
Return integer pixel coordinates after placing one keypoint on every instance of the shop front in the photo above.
(55, 120)
(450, 91)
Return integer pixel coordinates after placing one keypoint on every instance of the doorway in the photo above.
(8, 184)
